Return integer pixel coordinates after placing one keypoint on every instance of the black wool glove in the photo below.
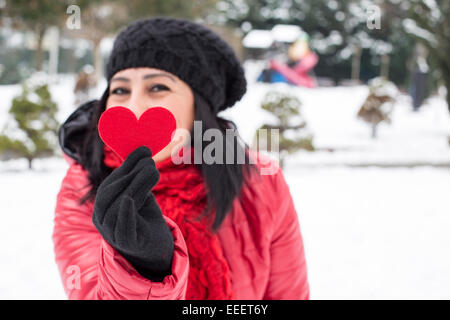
(128, 217)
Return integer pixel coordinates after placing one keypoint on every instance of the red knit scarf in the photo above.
(181, 196)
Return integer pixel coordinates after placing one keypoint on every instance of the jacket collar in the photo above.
(71, 133)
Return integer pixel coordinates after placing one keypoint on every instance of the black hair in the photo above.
(223, 181)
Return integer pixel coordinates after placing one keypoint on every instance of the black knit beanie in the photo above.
(192, 52)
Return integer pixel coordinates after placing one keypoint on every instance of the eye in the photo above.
(120, 91)
(159, 87)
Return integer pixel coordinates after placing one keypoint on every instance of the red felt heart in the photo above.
(119, 128)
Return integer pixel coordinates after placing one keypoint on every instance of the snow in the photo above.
(61, 89)
(28, 202)
(258, 39)
(411, 27)
(413, 138)
(263, 39)
(286, 32)
(434, 8)
(374, 214)
(373, 233)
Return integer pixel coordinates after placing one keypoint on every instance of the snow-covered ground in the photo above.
(28, 198)
(374, 215)
(374, 233)
(413, 138)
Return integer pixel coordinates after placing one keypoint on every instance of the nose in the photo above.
(138, 103)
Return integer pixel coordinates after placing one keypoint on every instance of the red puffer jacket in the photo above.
(261, 242)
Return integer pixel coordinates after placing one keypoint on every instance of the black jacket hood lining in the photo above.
(72, 132)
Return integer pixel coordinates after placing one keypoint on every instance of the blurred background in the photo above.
(359, 91)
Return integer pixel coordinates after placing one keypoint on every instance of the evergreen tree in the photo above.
(289, 124)
(36, 16)
(338, 31)
(33, 134)
(174, 8)
(379, 104)
(101, 18)
(430, 25)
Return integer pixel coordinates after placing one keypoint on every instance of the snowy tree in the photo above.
(174, 8)
(33, 131)
(429, 24)
(35, 16)
(339, 33)
(379, 104)
(102, 18)
(288, 123)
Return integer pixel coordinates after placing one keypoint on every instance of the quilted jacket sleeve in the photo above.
(90, 268)
(288, 274)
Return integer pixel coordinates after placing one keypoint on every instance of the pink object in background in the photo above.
(299, 74)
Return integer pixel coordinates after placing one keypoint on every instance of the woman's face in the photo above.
(142, 88)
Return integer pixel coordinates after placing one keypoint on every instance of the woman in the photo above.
(147, 228)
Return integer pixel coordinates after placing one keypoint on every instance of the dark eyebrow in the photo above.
(153, 75)
(120, 79)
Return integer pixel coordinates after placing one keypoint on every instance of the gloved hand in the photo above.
(128, 217)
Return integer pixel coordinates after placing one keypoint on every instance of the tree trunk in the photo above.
(447, 86)
(384, 72)
(54, 52)
(98, 61)
(30, 164)
(446, 78)
(282, 162)
(356, 62)
(374, 130)
(39, 52)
